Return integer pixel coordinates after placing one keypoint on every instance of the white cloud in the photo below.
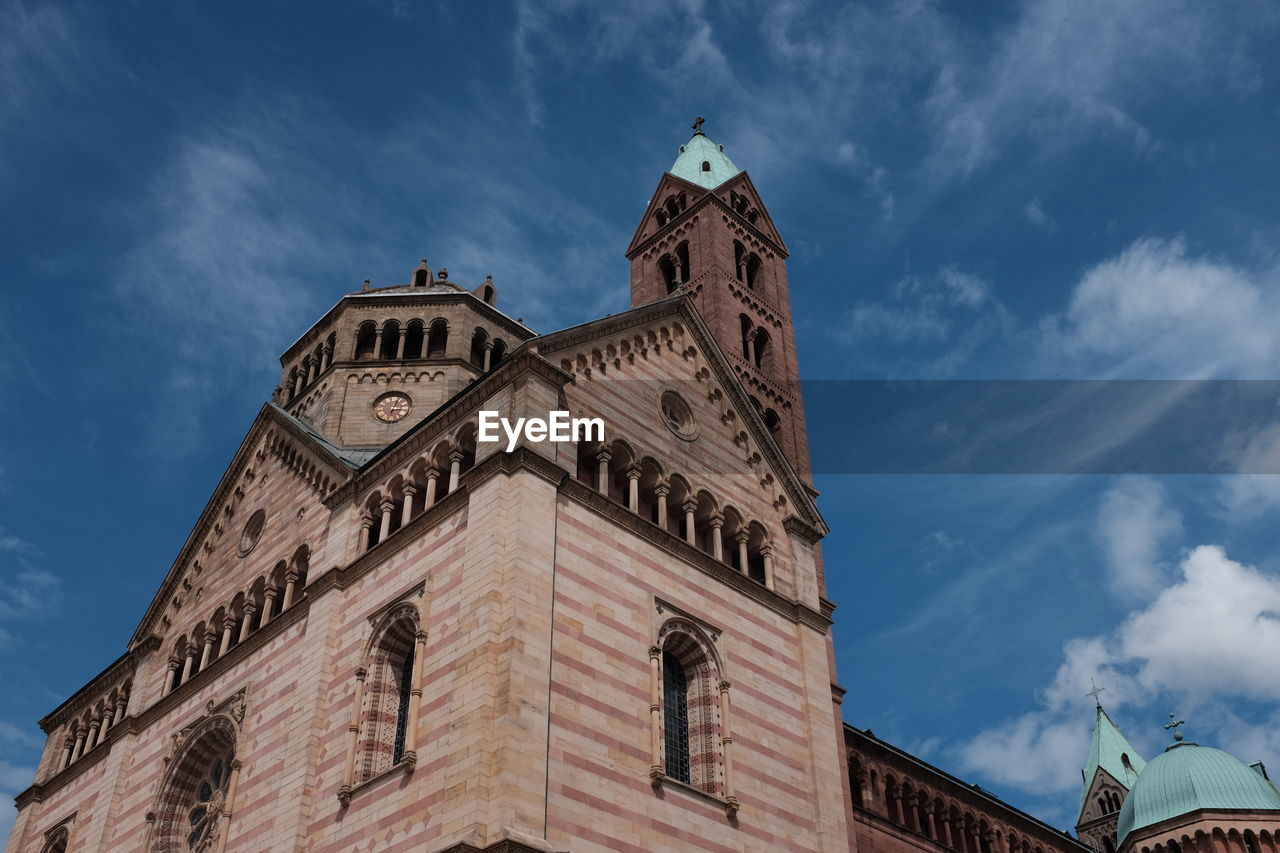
(1155, 311)
(1134, 524)
(952, 310)
(1212, 633)
(1037, 216)
(1256, 487)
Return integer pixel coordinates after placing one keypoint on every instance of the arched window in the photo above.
(385, 715)
(690, 708)
(761, 348)
(421, 277)
(740, 260)
(196, 796)
(414, 338)
(498, 354)
(706, 165)
(667, 271)
(746, 337)
(390, 340)
(752, 271)
(675, 716)
(57, 842)
(478, 340)
(437, 338)
(682, 260)
(366, 339)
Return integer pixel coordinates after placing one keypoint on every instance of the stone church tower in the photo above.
(385, 633)
(1113, 768)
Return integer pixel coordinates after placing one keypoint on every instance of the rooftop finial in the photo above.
(1174, 722)
(697, 126)
(1094, 692)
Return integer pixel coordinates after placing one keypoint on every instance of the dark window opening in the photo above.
(675, 702)
(402, 709)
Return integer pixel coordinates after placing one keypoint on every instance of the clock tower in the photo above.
(382, 354)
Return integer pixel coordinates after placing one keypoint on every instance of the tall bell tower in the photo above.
(707, 232)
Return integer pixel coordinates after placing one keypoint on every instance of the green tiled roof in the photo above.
(1187, 778)
(1112, 752)
(696, 152)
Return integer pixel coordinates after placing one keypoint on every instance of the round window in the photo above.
(677, 415)
(252, 532)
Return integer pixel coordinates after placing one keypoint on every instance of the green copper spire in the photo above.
(702, 162)
(1110, 751)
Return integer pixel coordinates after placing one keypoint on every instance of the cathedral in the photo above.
(390, 632)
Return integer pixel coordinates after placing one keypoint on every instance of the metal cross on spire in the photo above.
(697, 125)
(1174, 722)
(1095, 691)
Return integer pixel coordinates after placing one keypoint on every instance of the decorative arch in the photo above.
(198, 791)
(691, 707)
(57, 840)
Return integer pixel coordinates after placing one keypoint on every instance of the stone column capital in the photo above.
(661, 489)
(366, 521)
(387, 505)
(689, 505)
(228, 623)
(716, 521)
(741, 537)
(409, 489)
(456, 456)
(291, 576)
(655, 652)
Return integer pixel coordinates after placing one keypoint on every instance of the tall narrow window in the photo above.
(675, 710)
(402, 712)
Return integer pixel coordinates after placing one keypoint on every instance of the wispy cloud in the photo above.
(1135, 524)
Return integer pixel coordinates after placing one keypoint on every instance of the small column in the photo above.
(432, 477)
(312, 370)
(415, 700)
(400, 345)
(78, 749)
(766, 552)
(488, 355)
(67, 746)
(377, 343)
(930, 826)
(751, 346)
(188, 665)
(408, 492)
(247, 622)
(299, 382)
(224, 825)
(740, 539)
(91, 739)
(169, 677)
(327, 354)
(366, 526)
(206, 654)
(353, 736)
(660, 493)
(655, 716)
(122, 705)
(690, 506)
(455, 470)
(385, 529)
(633, 488)
(104, 726)
(228, 626)
(717, 546)
(726, 747)
(268, 604)
(602, 471)
(291, 579)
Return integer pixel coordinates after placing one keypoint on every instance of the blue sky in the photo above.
(1043, 189)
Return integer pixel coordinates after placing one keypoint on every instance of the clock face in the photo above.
(391, 407)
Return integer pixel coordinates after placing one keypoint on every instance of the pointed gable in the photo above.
(1110, 752)
(603, 348)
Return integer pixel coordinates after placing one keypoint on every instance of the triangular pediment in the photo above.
(742, 198)
(1102, 783)
(276, 445)
(604, 348)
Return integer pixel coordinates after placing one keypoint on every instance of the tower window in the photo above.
(675, 712)
(706, 166)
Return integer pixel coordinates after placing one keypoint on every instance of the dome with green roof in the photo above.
(1188, 778)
